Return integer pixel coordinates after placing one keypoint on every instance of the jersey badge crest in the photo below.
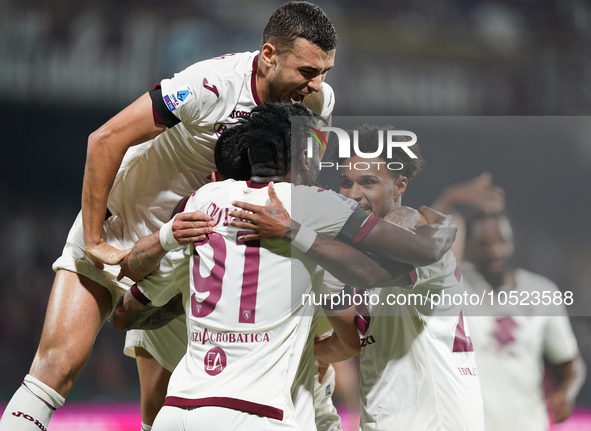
(352, 204)
(179, 97)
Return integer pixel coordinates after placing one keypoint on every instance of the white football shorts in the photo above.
(168, 344)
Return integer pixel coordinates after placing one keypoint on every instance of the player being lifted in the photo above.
(139, 164)
(417, 364)
(247, 321)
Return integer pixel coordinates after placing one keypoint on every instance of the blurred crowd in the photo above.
(455, 57)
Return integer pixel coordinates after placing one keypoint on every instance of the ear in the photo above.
(304, 161)
(268, 55)
(216, 176)
(400, 186)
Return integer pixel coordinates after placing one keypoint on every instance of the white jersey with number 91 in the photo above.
(246, 321)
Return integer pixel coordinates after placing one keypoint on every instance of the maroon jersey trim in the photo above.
(366, 228)
(229, 403)
(252, 185)
(458, 272)
(137, 294)
(462, 343)
(46, 403)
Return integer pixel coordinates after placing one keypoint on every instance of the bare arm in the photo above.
(422, 245)
(343, 343)
(479, 192)
(106, 148)
(146, 254)
(132, 314)
(348, 264)
(143, 259)
(562, 400)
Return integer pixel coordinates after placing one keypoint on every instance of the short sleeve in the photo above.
(321, 210)
(322, 102)
(560, 344)
(196, 94)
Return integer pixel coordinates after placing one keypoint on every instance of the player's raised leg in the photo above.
(77, 309)
(153, 383)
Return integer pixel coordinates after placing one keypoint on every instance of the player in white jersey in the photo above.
(233, 360)
(232, 162)
(511, 342)
(417, 362)
(139, 164)
(417, 369)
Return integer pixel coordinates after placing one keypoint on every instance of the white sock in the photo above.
(31, 407)
(146, 427)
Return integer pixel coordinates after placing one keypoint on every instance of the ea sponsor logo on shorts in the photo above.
(215, 361)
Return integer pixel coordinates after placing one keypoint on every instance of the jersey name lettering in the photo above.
(229, 337)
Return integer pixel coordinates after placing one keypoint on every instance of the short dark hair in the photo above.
(300, 19)
(266, 135)
(368, 143)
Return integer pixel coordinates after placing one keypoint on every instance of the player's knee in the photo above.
(57, 368)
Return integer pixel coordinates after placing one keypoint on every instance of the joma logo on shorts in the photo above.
(31, 419)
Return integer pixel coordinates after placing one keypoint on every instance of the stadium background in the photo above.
(67, 66)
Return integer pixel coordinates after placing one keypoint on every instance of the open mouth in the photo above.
(296, 97)
(365, 208)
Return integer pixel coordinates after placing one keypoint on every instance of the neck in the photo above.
(261, 79)
(504, 279)
(266, 180)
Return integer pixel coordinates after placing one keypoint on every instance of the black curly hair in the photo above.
(231, 156)
(267, 135)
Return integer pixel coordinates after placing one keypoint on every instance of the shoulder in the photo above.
(204, 194)
(207, 86)
(315, 195)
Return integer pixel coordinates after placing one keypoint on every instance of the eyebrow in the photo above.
(363, 177)
(313, 69)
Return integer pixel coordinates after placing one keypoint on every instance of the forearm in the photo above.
(106, 148)
(160, 316)
(333, 349)
(131, 315)
(99, 173)
(349, 265)
(144, 257)
(573, 373)
(421, 246)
